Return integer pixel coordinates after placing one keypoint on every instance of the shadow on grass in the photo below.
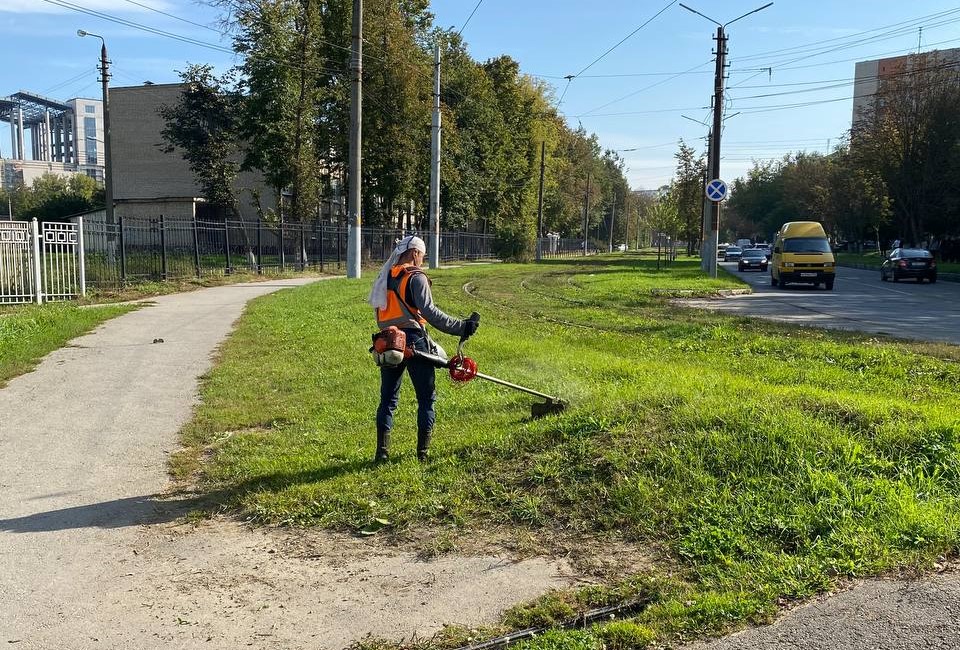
(163, 508)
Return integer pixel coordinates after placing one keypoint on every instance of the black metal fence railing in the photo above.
(559, 247)
(146, 248)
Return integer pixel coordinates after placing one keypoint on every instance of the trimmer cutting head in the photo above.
(550, 407)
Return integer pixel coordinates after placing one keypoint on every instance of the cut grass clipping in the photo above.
(29, 332)
(761, 461)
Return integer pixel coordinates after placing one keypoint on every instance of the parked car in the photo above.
(909, 263)
(732, 254)
(753, 258)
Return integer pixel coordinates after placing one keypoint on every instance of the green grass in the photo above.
(755, 463)
(29, 332)
(874, 260)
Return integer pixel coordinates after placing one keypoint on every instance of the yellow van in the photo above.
(801, 253)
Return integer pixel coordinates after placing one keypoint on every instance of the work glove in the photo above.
(471, 325)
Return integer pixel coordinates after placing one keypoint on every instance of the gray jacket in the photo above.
(420, 296)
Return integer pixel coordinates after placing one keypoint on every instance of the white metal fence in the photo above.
(41, 262)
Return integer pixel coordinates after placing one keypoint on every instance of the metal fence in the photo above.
(41, 262)
(145, 248)
(555, 247)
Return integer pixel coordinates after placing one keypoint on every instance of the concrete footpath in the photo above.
(92, 555)
(871, 615)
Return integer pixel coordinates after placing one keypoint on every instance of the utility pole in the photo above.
(356, 115)
(714, 234)
(543, 155)
(613, 217)
(586, 215)
(708, 259)
(714, 157)
(107, 155)
(435, 167)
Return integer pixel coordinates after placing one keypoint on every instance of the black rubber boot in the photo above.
(383, 447)
(423, 446)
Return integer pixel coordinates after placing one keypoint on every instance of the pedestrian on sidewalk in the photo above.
(401, 297)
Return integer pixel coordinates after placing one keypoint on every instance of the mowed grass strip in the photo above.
(761, 462)
(29, 332)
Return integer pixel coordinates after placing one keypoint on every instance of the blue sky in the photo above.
(554, 38)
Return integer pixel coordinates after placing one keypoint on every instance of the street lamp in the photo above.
(107, 157)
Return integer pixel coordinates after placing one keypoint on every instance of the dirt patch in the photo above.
(234, 586)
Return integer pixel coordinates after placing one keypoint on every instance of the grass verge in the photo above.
(759, 463)
(29, 332)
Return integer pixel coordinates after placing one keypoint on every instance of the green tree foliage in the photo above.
(51, 197)
(292, 118)
(896, 179)
(687, 190)
(203, 125)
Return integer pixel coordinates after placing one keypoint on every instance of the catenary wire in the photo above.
(470, 17)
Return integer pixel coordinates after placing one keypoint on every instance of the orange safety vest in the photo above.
(398, 311)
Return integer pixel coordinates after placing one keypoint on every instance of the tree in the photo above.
(203, 126)
(910, 139)
(52, 197)
(687, 190)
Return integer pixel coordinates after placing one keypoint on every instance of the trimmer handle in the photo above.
(474, 318)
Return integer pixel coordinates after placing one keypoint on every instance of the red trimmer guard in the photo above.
(462, 369)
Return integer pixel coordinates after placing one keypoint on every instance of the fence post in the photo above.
(338, 246)
(259, 246)
(123, 254)
(226, 245)
(303, 251)
(283, 258)
(196, 247)
(83, 265)
(320, 239)
(163, 249)
(35, 238)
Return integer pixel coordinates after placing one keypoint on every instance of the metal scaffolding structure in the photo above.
(50, 124)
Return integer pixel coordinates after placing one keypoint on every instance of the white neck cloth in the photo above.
(378, 294)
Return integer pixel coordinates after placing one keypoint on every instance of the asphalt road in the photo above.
(859, 301)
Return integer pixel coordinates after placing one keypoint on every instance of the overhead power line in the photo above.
(626, 38)
(65, 4)
(644, 89)
(174, 16)
(467, 22)
(913, 22)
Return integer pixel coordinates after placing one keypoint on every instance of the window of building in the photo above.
(89, 108)
(90, 139)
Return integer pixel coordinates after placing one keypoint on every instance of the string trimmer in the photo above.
(464, 369)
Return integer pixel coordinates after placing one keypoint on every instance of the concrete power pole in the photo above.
(435, 167)
(107, 153)
(543, 155)
(613, 217)
(708, 260)
(714, 233)
(586, 216)
(356, 116)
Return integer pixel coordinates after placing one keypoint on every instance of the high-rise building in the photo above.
(50, 136)
(870, 75)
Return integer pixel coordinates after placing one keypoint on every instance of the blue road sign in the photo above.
(716, 190)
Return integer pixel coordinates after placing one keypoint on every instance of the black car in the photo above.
(753, 258)
(909, 263)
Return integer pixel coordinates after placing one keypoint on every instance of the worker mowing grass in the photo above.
(402, 299)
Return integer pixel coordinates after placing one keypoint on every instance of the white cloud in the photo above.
(107, 6)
